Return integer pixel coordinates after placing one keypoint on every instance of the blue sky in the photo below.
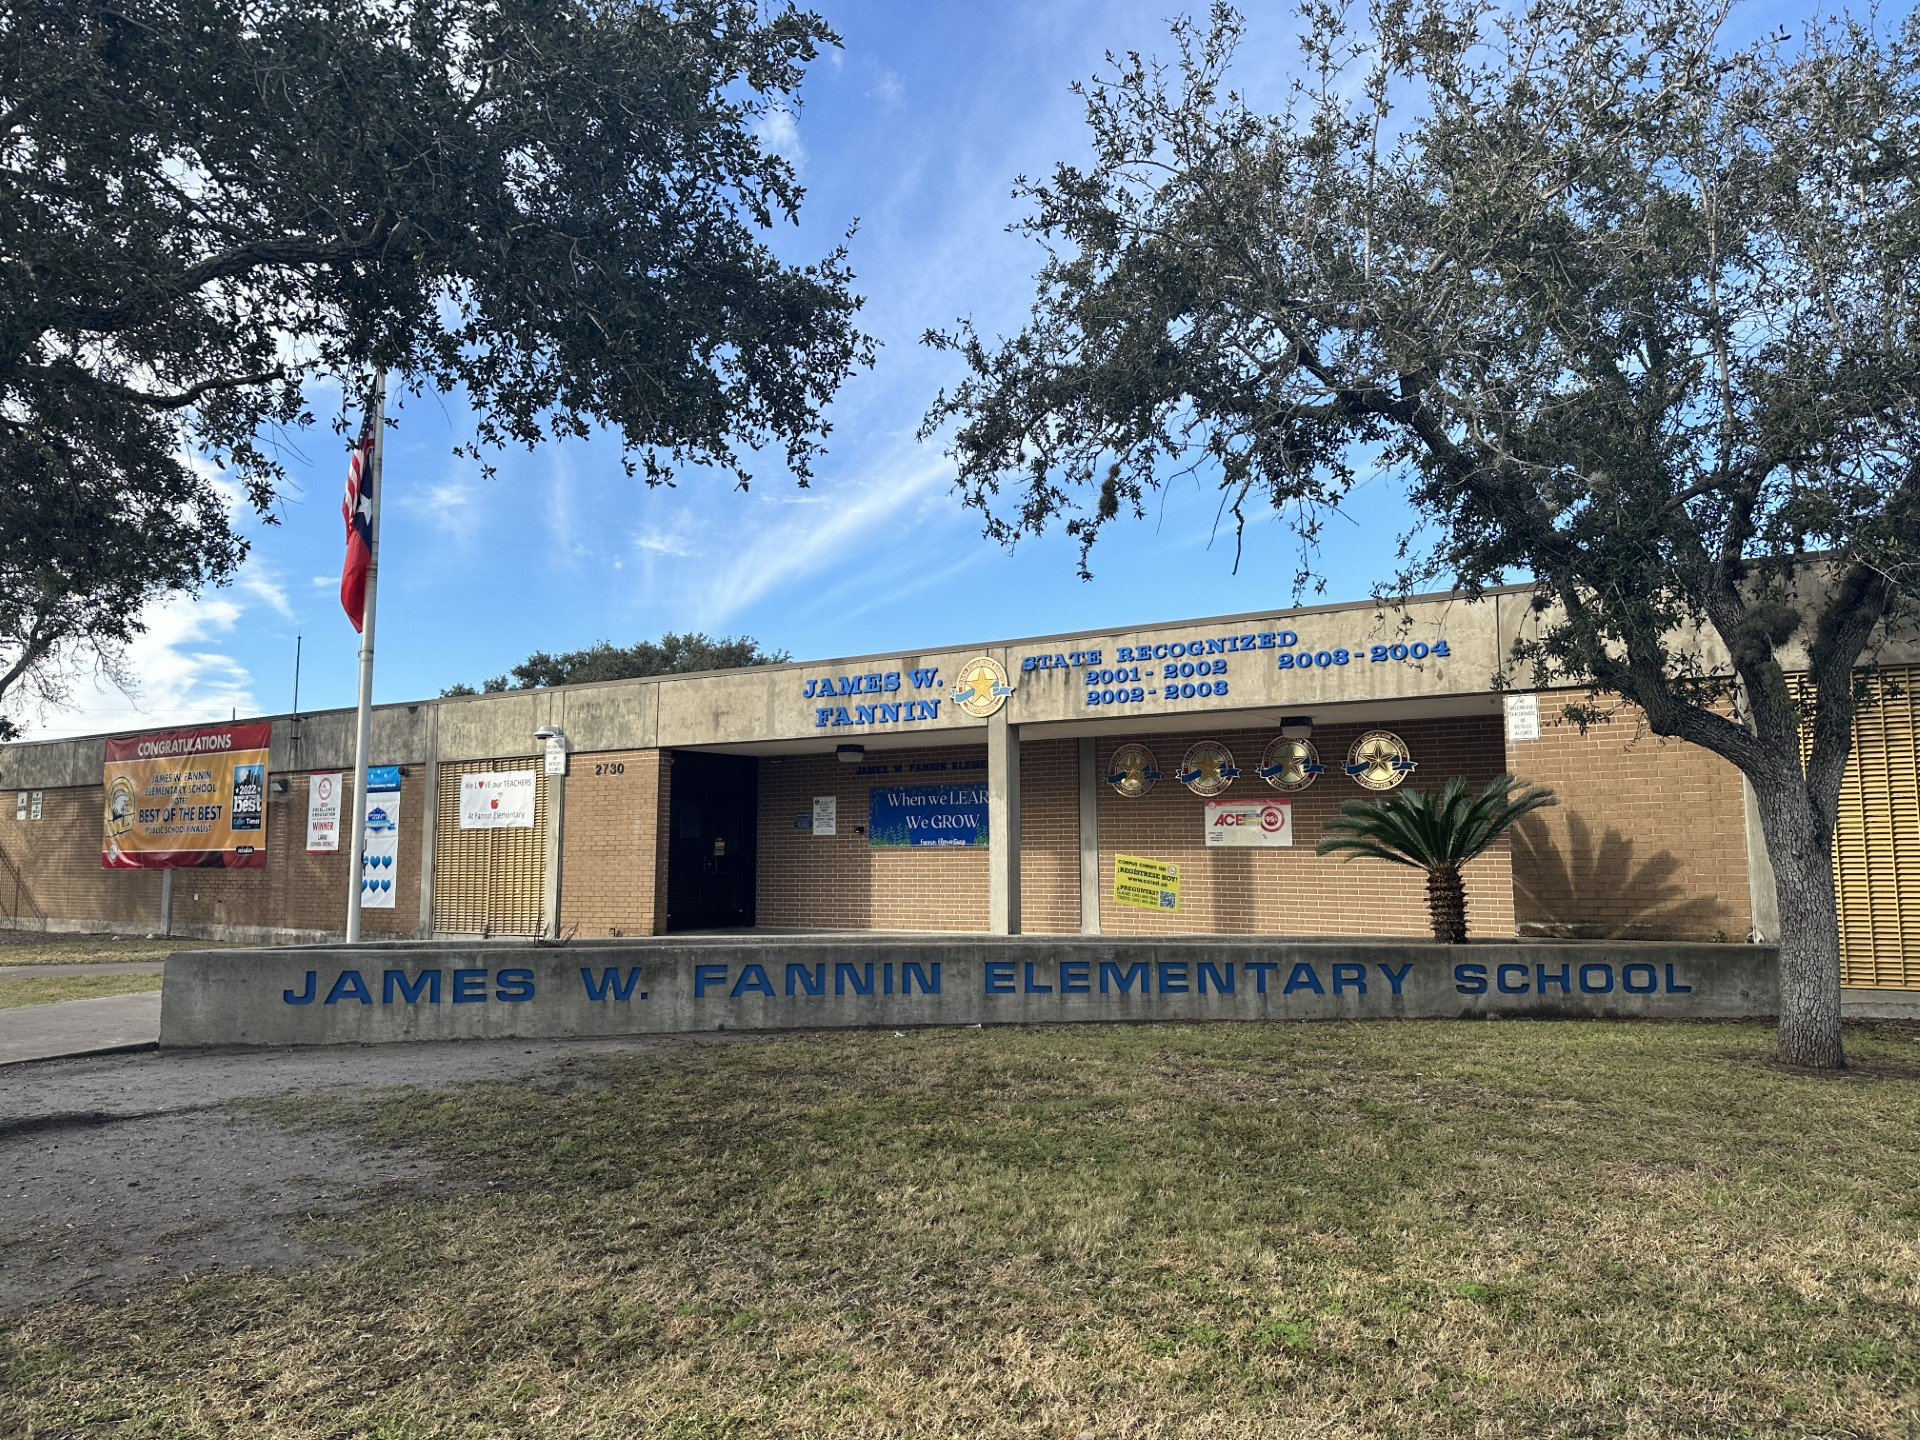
(917, 127)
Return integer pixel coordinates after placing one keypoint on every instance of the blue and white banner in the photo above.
(942, 815)
(379, 866)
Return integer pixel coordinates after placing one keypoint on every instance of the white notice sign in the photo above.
(323, 813)
(1249, 822)
(497, 802)
(1523, 717)
(826, 814)
(556, 756)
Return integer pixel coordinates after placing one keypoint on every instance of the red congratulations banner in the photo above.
(188, 798)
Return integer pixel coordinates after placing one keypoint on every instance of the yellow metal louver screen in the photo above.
(1876, 842)
(488, 882)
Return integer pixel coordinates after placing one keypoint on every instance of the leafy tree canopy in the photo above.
(1632, 311)
(671, 654)
(555, 209)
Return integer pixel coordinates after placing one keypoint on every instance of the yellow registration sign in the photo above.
(1146, 884)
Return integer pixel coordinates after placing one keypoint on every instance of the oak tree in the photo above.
(1632, 309)
(560, 211)
(671, 654)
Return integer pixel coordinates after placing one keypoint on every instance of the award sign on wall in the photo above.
(323, 813)
(1208, 769)
(187, 798)
(1132, 771)
(983, 687)
(1290, 765)
(1378, 760)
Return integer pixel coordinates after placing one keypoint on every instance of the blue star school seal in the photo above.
(1132, 771)
(983, 687)
(1379, 760)
(1208, 769)
(1290, 766)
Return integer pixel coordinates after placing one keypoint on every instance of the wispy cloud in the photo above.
(656, 542)
(182, 673)
(257, 579)
(818, 542)
(780, 133)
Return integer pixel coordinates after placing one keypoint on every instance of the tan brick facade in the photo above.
(58, 857)
(843, 883)
(1293, 891)
(1648, 841)
(614, 870)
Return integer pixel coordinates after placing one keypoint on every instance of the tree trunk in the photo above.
(1447, 905)
(1800, 845)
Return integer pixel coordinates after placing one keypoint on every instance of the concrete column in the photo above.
(1003, 826)
(1089, 837)
(429, 837)
(556, 828)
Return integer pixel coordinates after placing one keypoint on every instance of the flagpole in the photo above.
(363, 720)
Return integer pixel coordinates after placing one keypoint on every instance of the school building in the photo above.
(1169, 779)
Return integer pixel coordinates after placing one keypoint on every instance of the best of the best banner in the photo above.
(184, 798)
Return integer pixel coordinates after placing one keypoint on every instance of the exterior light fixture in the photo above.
(546, 732)
(1296, 727)
(849, 754)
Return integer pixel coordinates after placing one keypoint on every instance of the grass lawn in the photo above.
(36, 990)
(93, 950)
(1401, 1229)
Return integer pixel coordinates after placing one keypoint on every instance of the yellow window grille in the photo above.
(1876, 842)
(488, 882)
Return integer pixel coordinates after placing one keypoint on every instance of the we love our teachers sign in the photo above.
(497, 801)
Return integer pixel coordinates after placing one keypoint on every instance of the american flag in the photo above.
(357, 511)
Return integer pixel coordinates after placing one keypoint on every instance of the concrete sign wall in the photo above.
(334, 995)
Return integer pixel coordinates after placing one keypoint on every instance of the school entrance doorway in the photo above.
(713, 820)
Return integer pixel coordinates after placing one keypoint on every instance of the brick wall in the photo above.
(1648, 841)
(843, 883)
(59, 859)
(1293, 891)
(613, 879)
(1050, 837)
(58, 862)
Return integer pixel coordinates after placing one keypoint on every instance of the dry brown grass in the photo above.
(44, 990)
(27, 948)
(1400, 1230)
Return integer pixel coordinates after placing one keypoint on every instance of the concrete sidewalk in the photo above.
(79, 1027)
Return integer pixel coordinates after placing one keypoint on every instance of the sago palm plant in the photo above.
(1435, 832)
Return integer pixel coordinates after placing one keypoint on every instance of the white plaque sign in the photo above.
(1523, 717)
(826, 814)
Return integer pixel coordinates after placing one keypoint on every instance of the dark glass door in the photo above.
(714, 820)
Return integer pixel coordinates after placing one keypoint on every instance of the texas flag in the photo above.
(357, 511)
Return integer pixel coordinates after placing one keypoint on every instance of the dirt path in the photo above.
(123, 1168)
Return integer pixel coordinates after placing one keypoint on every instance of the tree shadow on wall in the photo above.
(1593, 890)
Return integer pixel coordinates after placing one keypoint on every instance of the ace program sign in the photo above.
(1249, 822)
